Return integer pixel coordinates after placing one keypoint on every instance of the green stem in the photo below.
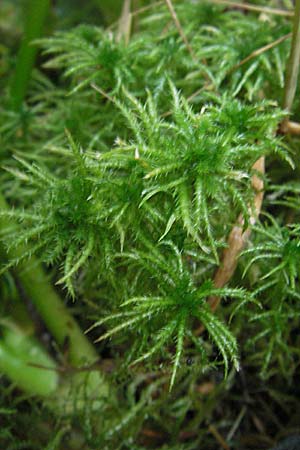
(36, 13)
(54, 313)
(20, 358)
(293, 66)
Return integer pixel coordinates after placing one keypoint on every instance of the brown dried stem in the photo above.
(124, 28)
(255, 8)
(261, 50)
(179, 28)
(212, 429)
(243, 6)
(252, 55)
(237, 237)
(292, 128)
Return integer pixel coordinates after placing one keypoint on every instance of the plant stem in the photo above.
(292, 67)
(124, 28)
(237, 237)
(179, 28)
(37, 11)
(260, 50)
(20, 355)
(257, 8)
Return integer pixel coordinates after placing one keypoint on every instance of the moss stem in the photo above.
(36, 14)
(292, 67)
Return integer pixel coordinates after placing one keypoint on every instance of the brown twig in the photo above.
(102, 92)
(135, 20)
(236, 423)
(292, 128)
(146, 8)
(237, 237)
(124, 27)
(244, 61)
(179, 28)
(255, 8)
(261, 50)
(152, 433)
(243, 6)
(218, 437)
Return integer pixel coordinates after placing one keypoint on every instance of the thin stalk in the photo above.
(261, 50)
(244, 6)
(238, 237)
(179, 28)
(255, 8)
(36, 14)
(109, 10)
(124, 28)
(292, 67)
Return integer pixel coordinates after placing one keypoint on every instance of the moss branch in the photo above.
(55, 314)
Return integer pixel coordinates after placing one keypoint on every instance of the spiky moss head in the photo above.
(70, 208)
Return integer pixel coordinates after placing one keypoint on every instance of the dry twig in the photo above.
(237, 237)
(124, 27)
(292, 127)
(179, 28)
(261, 50)
(243, 6)
(255, 8)
(218, 437)
(236, 423)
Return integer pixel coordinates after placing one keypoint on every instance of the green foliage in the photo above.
(73, 223)
(202, 170)
(132, 163)
(220, 46)
(88, 50)
(95, 202)
(169, 315)
(282, 246)
(90, 54)
(273, 266)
